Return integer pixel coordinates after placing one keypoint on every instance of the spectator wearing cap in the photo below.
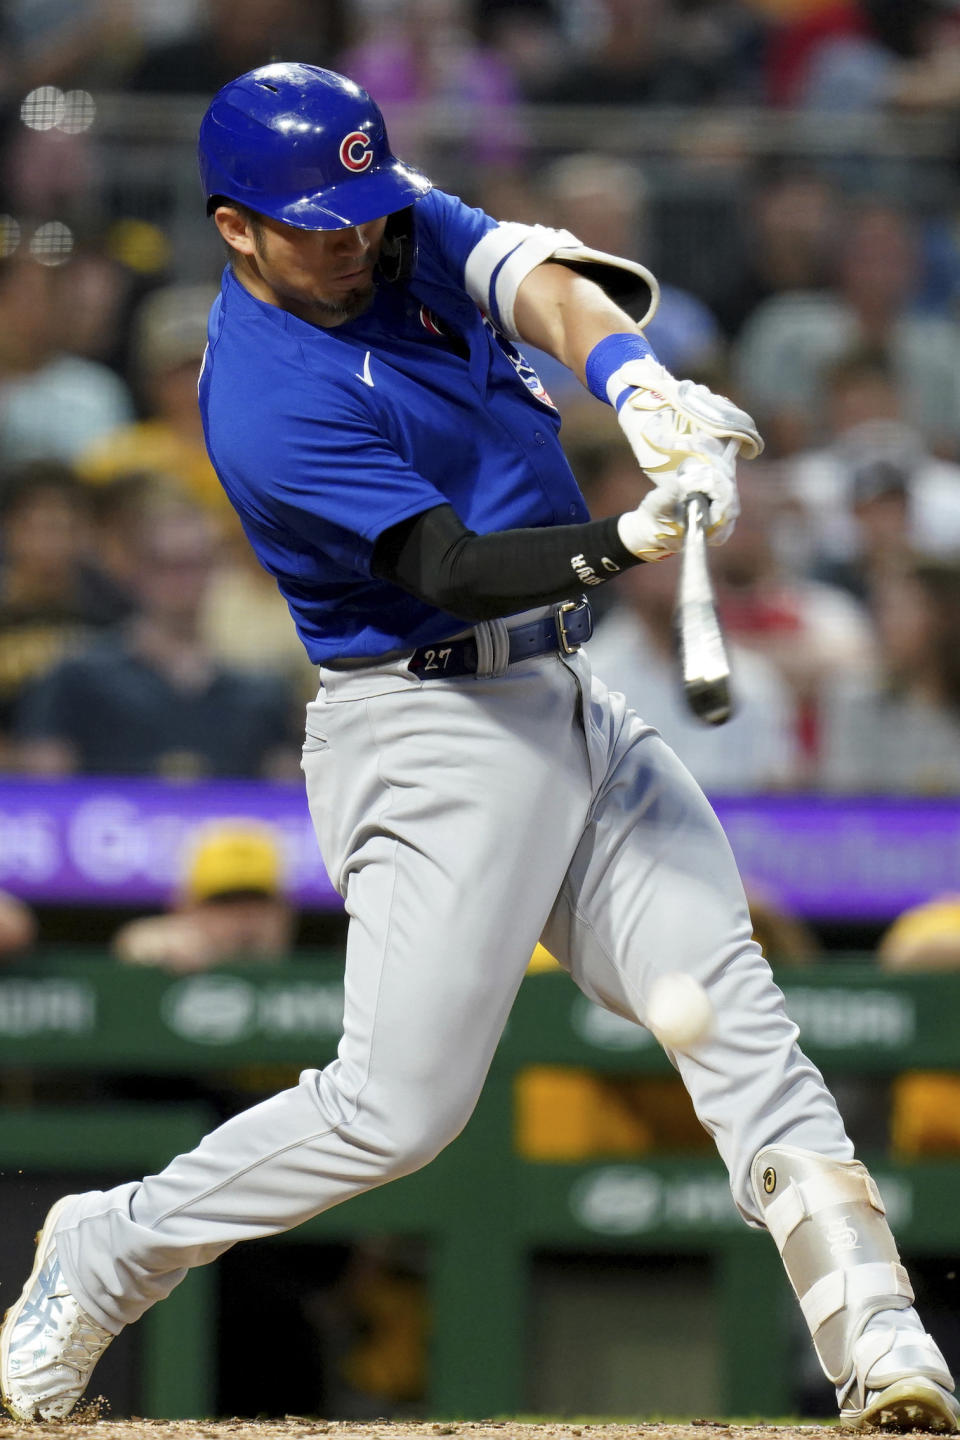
(874, 489)
(148, 697)
(230, 908)
(925, 1105)
(924, 937)
(880, 502)
(170, 335)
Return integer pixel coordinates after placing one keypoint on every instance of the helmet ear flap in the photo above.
(398, 248)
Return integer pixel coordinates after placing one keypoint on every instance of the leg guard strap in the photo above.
(799, 1200)
(853, 1289)
(827, 1219)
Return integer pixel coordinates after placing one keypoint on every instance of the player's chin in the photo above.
(349, 304)
(360, 301)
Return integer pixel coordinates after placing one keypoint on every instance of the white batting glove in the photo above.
(714, 477)
(655, 528)
(667, 420)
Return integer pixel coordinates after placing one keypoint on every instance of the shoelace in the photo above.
(85, 1345)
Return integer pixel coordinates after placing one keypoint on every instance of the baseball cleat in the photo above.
(48, 1344)
(900, 1382)
(912, 1404)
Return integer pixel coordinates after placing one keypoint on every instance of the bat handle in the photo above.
(696, 505)
(694, 573)
(696, 510)
(703, 661)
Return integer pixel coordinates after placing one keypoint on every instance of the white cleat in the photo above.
(905, 1385)
(48, 1345)
(915, 1403)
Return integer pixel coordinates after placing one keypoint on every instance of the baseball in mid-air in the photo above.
(678, 1010)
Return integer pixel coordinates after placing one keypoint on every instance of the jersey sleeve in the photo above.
(489, 258)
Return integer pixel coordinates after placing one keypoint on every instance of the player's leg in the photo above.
(449, 814)
(654, 888)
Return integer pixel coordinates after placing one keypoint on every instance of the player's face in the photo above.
(324, 276)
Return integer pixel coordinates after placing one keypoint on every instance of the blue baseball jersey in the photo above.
(325, 438)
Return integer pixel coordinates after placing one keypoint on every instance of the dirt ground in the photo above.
(295, 1427)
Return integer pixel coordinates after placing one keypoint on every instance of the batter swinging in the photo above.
(396, 466)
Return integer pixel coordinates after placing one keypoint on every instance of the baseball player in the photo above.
(395, 463)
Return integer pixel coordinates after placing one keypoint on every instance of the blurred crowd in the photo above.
(838, 54)
(818, 286)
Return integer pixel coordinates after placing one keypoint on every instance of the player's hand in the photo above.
(655, 528)
(714, 477)
(668, 421)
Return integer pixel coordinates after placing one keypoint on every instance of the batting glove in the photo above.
(668, 421)
(714, 477)
(655, 528)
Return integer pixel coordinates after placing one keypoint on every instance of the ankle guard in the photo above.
(827, 1220)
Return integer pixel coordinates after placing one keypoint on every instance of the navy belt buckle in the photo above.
(568, 646)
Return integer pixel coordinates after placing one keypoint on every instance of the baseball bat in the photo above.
(704, 668)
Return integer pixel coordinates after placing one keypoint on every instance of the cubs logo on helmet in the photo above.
(356, 152)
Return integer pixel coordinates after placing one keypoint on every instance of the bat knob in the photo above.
(696, 508)
(710, 700)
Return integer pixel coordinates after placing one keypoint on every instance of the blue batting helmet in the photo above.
(305, 146)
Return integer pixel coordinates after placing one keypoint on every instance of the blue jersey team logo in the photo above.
(431, 322)
(522, 366)
(435, 326)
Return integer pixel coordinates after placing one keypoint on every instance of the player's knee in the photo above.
(411, 1153)
(413, 1145)
(402, 1144)
(393, 1128)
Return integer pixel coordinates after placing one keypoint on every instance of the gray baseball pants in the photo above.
(463, 820)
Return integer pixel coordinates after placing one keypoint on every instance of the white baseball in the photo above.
(678, 1010)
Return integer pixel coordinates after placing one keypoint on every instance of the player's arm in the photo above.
(482, 577)
(684, 437)
(566, 314)
(545, 287)
(479, 577)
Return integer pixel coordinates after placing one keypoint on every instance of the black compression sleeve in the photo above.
(481, 577)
